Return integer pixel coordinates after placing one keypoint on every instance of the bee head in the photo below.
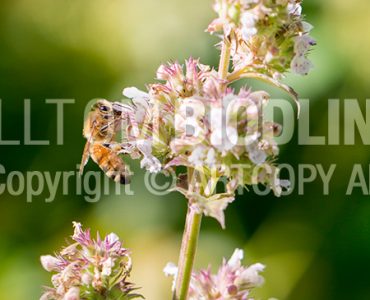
(104, 106)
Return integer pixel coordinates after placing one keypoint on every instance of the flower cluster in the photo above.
(216, 134)
(89, 269)
(192, 119)
(232, 281)
(266, 35)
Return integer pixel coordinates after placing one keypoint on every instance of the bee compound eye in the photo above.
(104, 108)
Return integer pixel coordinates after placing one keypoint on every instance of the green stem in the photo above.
(193, 219)
(187, 254)
(223, 68)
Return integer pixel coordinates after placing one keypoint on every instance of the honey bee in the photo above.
(99, 130)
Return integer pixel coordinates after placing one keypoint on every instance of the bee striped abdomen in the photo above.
(112, 165)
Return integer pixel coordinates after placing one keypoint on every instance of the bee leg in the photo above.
(117, 148)
(124, 179)
(119, 177)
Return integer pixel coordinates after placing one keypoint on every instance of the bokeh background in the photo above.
(314, 246)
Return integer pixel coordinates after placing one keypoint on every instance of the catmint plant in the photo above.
(191, 119)
(90, 269)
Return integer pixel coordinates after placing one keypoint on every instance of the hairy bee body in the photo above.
(110, 162)
(99, 130)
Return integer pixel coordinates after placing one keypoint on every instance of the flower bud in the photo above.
(50, 263)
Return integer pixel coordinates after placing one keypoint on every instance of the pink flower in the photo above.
(89, 267)
(232, 281)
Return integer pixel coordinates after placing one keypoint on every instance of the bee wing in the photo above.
(85, 156)
(87, 132)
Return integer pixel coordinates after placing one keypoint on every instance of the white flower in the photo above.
(162, 73)
(49, 263)
(251, 275)
(107, 267)
(248, 19)
(234, 261)
(269, 57)
(284, 183)
(301, 65)
(77, 229)
(197, 156)
(72, 294)
(211, 157)
(151, 164)
(138, 97)
(249, 29)
(217, 138)
(145, 147)
(192, 128)
(86, 278)
(302, 44)
(140, 114)
(111, 239)
(241, 58)
(279, 185)
(294, 8)
(256, 155)
(188, 116)
(248, 32)
(46, 296)
(191, 107)
(250, 139)
(222, 138)
(307, 27)
(232, 136)
(260, 97)
(141, 101)
(228, 100)
(252, 111)
(171, 270)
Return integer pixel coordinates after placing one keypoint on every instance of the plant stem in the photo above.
(223, 68)
(193, 219)
(187, 254)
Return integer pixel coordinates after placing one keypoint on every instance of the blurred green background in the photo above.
(314, 246)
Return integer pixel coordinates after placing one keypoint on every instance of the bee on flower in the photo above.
(191, 118)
